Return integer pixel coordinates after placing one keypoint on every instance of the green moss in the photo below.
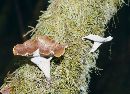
(67, 21)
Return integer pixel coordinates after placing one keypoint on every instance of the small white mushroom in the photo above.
(97, 41)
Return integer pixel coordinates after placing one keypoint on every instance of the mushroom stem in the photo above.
(43, 63)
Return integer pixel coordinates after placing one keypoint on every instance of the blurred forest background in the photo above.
(114, 58)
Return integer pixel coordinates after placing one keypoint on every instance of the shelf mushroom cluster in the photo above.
(42, 49)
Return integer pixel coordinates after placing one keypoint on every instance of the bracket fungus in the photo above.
(97, 41)
(42, 49)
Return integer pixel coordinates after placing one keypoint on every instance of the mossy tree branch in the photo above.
(66, 21)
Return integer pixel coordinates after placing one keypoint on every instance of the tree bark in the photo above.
(66, 21)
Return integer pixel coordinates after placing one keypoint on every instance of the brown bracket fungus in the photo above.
(40, 48)
(46, 47)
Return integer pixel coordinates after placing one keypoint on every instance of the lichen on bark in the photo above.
(66, 21)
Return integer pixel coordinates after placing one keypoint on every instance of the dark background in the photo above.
(15, 17)
(114, 58)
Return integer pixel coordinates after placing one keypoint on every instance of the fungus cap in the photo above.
(46, 46)
(26, 49)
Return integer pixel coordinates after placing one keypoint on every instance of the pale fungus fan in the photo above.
(97, 41)
(42, 49)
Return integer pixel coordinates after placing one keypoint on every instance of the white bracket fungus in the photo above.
(97, 41)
